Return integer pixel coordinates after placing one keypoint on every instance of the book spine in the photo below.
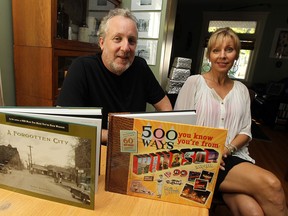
(109, 151)
(117, 165)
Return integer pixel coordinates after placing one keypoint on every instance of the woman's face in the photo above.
(222, 55)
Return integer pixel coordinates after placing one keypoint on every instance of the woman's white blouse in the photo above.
(232, 112)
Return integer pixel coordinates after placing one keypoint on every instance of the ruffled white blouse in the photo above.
(232, 113)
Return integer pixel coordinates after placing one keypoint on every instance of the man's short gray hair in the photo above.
(112, 13)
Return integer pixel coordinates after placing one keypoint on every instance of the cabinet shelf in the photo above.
(75, 45)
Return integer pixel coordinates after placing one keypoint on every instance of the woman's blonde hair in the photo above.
(220, 34)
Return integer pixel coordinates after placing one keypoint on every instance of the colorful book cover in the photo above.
(185, 160)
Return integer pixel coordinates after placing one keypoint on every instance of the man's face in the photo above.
(118, 46)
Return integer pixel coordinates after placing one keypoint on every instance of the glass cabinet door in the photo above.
(79, 20)
(61, 62)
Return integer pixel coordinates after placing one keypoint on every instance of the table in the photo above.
(106, 203)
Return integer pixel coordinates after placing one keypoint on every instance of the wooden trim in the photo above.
(76, 45)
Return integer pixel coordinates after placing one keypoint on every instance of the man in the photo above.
(115, 80)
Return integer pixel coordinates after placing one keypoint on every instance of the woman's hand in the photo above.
(225, 154)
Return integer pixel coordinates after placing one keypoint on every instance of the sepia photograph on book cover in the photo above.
(49, 159)
(166, 161)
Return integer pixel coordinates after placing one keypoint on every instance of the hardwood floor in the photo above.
(272, 155)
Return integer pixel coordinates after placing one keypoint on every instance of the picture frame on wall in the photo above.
(147, 49)
(100, 5)
(148, 24)
(280, 44)
(146, 5)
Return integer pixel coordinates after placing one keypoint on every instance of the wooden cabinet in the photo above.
(38, 52)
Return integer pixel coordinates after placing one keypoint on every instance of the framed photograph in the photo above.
(146, 5)
(148, 24)
(100, 5)
(280, 44)
(147, 49)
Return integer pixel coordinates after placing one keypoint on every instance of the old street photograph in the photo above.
(45, 163)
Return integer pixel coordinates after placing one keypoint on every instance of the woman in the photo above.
(224, 103)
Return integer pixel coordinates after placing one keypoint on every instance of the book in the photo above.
(51, 153)
(185, 117)
(169, 161)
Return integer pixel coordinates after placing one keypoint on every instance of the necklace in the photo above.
(212, 79)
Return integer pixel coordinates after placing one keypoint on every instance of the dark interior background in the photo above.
(188, 27)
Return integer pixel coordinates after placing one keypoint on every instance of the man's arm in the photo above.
(163, 105)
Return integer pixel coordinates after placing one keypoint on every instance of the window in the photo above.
(248, 30)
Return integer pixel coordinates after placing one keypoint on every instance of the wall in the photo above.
(156, 68)
(266, 69)
(188, 29)
(6, 52)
